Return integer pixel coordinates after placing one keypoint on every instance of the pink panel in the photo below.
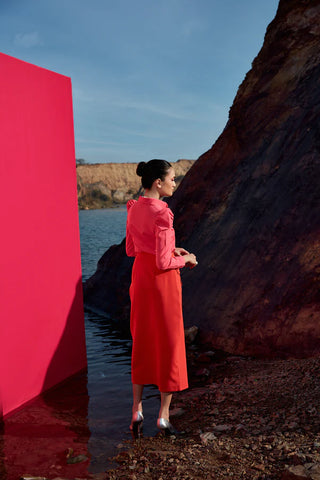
(42, 339)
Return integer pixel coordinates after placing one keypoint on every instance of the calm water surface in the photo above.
(91, 412)
(99, 229)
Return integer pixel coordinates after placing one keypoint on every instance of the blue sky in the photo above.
(151, 78)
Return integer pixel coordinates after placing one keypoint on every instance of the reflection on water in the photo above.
(89, 413)
(36, 438)
(109, 387)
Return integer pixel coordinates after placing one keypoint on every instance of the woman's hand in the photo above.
(191, 260)
(180, 251)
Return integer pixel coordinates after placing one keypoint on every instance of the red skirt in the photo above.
(156, 323)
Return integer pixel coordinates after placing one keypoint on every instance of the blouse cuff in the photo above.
(180, 261)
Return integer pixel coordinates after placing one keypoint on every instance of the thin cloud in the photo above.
(27, 40)
(153, 108)
(79, 95)
(192, 27)
(100, 142)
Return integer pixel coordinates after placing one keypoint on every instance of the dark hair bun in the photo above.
(140, 168)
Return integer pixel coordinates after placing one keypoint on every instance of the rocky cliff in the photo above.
(249, 208)
(106, 184)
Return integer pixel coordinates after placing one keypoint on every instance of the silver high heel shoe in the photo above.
(136, 424)
(165, 426)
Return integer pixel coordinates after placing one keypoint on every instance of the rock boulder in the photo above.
(249, 207)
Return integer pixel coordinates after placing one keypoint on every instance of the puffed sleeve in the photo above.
(165, 242)
(129, 242)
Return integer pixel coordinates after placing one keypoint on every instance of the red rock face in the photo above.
(249, 207)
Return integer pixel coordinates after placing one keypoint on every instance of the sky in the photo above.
(150, 78)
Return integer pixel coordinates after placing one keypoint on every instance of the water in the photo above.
(108, 351)
(99, 229)
(109, 390)
(91, 412)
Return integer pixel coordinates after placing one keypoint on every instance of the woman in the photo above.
(156, 323)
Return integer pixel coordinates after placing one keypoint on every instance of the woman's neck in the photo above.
(152, 193)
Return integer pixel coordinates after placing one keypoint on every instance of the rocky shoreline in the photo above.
(252, 419)
(241, 418)
(107, 185)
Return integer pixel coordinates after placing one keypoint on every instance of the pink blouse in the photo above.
(150, 230)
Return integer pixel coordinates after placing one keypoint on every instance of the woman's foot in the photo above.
(165, 426)
(136, 424)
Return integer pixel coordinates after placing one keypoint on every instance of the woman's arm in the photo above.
(130, 250)
(129, 245)
(165, 242)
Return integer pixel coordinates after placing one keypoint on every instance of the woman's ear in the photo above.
(158, 183)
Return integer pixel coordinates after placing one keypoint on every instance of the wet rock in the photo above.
(297, 458)
(77, 459)
(73, 459)
(301, 472)
(297, 472)
(96, 476)
(32, 477)
(313, 470)
(190, 334)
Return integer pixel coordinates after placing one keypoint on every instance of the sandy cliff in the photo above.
(104, 184)
(249, 208)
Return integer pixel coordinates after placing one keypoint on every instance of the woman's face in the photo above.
(168, 185)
